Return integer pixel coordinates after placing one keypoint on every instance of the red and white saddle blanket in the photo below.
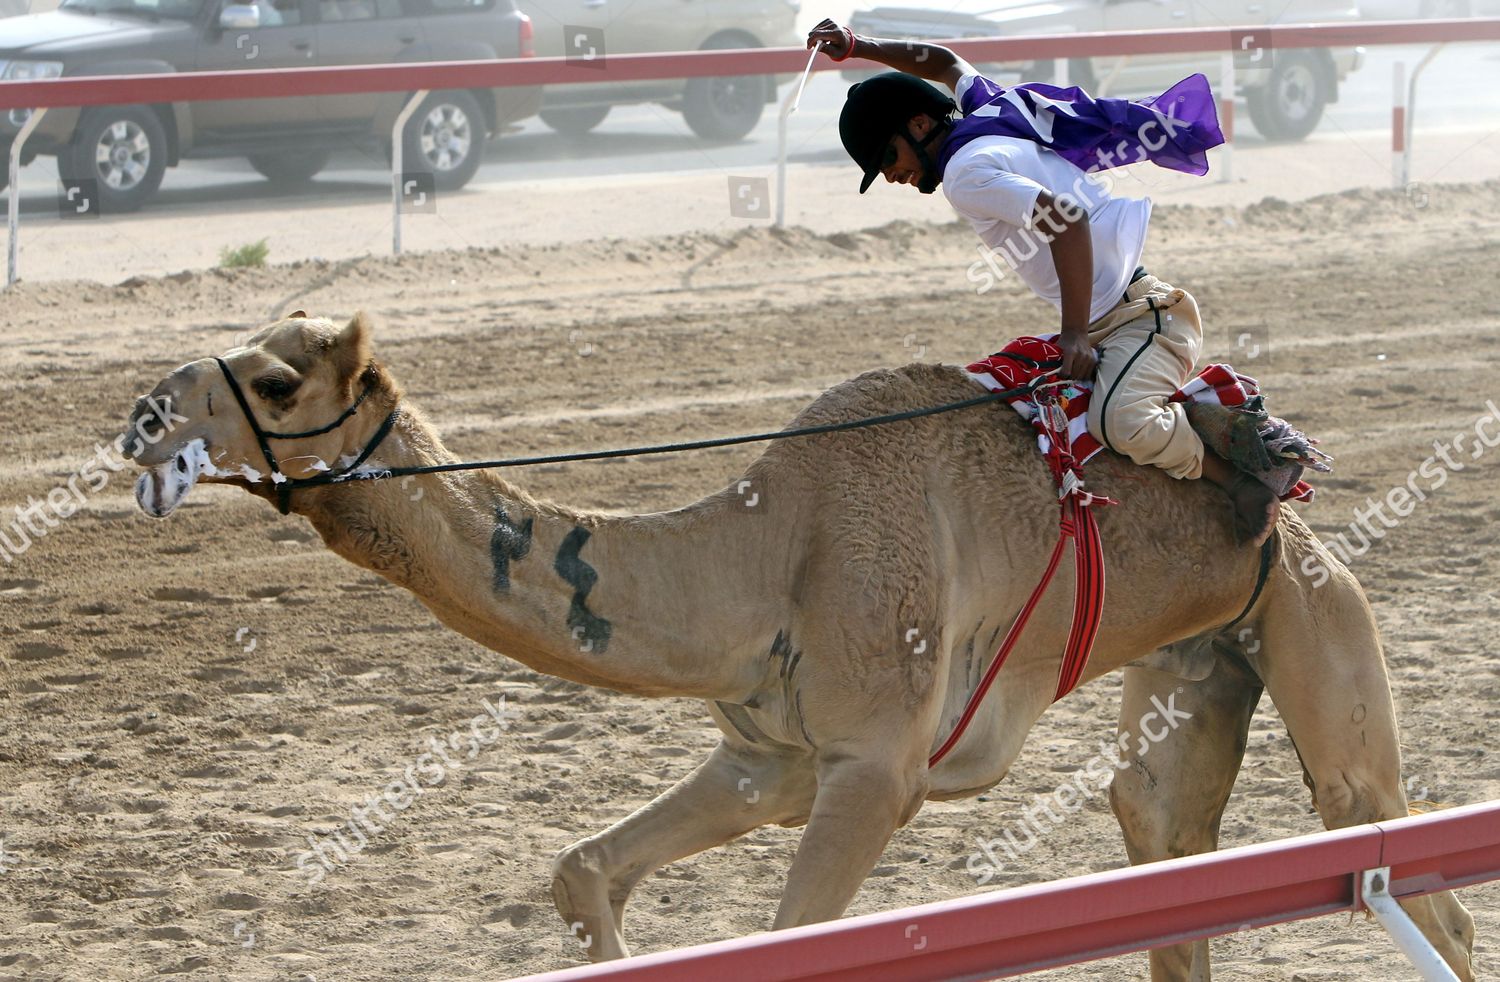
(1059, 412)
(1019, 362)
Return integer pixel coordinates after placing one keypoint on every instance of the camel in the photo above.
(833, 608)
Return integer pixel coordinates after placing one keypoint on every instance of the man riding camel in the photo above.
(1019, 163)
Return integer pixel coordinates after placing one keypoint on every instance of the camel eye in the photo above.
(274, 387)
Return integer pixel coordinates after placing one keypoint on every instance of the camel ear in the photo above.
(351, 348)
(297, 315)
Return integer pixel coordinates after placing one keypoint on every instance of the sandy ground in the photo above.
(185, 702)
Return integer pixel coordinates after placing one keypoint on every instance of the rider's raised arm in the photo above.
(920, 58)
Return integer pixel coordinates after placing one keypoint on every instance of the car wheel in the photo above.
(574, 120)
(123, 149)
(445, 138)
(724, 108)
(1291, 103)
(293, 167)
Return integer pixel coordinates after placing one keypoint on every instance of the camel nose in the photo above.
(149, 422)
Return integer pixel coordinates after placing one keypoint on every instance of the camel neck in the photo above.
(635, 603)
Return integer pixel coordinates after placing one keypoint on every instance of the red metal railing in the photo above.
(1076, 920)
(281, 83)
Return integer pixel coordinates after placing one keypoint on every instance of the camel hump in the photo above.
(883, 391)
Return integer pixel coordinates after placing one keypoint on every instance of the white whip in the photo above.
(802, 83)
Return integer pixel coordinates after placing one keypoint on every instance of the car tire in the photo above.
(1291, 103)
(4, 165)
(574, 120)
(726, 108)
(123, 149)
(445, 137)
(291, 167)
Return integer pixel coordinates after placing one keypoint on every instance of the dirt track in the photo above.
(186, 701)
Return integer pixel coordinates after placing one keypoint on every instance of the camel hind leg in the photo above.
(1321, 661)
(1171, 796)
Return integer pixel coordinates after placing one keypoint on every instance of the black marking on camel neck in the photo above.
(782, 648)
(508, 543)
(589, 631)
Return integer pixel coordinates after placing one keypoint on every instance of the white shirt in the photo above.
(994, 181)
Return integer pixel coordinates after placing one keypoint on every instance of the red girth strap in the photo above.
(1088, 607)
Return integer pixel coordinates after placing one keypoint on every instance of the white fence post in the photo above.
(13, 265)
(1406, 102)
(1375, 890)
(398, 162)
(788, 106)
(1227, 96)
(1400, 156)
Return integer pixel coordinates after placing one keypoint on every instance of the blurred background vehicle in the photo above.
(721, 109)
(123, 151)
(1286, 97)
(1428, 9)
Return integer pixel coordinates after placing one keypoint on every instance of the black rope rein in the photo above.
(662, 448)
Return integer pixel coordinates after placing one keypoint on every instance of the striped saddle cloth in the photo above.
(1226, 408)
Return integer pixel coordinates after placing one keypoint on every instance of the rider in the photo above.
(1015, 165)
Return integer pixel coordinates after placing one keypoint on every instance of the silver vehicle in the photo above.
(715, 108)
(1286, 92)
(126, 149)
(1428, 9)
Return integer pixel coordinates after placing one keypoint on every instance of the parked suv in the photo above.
(715, 108)
(125, 149)
(1286, 97)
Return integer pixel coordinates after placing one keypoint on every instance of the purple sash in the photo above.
(1174, 130)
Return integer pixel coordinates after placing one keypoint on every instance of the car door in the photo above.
(1142, 74)
(569, 28)
(636, 26)
(364, 32)
(285, 39)
(576, 29)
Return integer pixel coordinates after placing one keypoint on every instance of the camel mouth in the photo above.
(160, 489)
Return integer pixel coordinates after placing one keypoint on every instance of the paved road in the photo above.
(1457, 92)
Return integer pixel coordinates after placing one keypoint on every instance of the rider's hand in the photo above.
(837, 41)
(1078, 357)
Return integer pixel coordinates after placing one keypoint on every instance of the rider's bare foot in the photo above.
(1255, 505)
(1255, 509)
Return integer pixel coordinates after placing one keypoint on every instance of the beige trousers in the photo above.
(1148, 346)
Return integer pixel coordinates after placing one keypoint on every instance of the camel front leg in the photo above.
(1170, 798)
(733, 792)
(859, 804)
(1323, 667)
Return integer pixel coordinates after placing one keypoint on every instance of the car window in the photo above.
(340, 10)
(279, 13)
(151, 9)
(454, 6)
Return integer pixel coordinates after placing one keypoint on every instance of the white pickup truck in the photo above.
(1286, 92)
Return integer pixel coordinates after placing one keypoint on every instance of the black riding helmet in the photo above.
(877, 109)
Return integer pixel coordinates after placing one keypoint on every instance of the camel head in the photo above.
(297, 375)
